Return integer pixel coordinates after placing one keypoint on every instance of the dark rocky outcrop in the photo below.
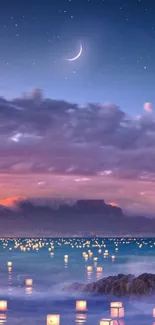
(119, 285)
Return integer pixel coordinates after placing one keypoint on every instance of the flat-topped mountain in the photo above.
(51, 217)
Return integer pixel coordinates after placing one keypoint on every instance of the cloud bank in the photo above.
(41, 136)
(45, 135)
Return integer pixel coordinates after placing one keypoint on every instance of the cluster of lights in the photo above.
(102, 249)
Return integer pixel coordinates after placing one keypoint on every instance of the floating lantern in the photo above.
(52, 254)
(66, 256)
(3, 305)
(53, 319)
(99, 270)
(89, 272)
(29, 282)
(81, 305)
(113, 257)
(86, 257)
(116, 309)
(116, 304)
(9, 264)
(106, 321)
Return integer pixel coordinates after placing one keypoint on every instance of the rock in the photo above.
(118, 285)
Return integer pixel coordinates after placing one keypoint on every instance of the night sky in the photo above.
(90, 131)
(117, 64)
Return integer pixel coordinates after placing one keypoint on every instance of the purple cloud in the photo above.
(42, 135)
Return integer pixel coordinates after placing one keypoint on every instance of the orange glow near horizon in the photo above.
(10, 201)
(113, 204)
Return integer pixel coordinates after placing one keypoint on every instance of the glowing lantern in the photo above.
(52, 254)
(10, 264)
(29, 282)
(86, 257)
(106, 321)
(153, 312)
(53, 319)
(3, 305)
(89, 268)
(113, 257)
(116, 304)
(99, 270)
(116, 309)
(66, 256)
(81, 305)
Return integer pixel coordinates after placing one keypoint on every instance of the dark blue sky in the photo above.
(117, 64)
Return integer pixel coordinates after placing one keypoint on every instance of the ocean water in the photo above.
(43, 262)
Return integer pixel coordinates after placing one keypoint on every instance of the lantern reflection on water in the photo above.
(118, 322)
(81, 305)
(53, 319)
(2, 318)
(90, 253)
(116, 309)
(89, 272)
(86, 257)
(80, 318)
(106, 321)
(99, 270)
(3, 305)
(28, 290)
(153, 312)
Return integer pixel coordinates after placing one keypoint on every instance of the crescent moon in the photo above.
(77, 56)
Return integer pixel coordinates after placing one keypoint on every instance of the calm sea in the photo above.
(33, 273)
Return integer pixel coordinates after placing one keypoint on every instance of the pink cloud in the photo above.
(148, 107)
